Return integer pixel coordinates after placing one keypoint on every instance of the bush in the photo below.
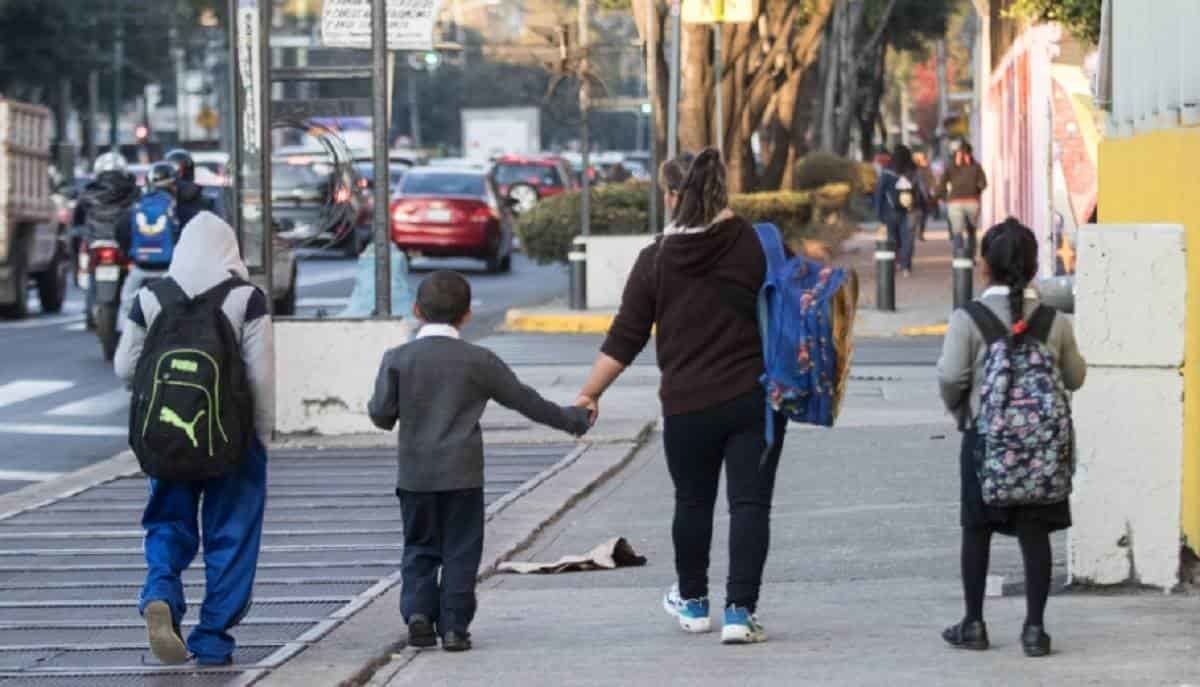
(820, 169)
(621, 209)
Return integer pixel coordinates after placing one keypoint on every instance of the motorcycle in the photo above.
(107, 269)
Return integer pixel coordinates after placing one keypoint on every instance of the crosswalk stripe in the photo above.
(25, 389)
(321, 302)
(94, 406)
(27, 476)
(63, 430)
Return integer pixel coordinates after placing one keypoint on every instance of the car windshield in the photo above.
(544, 175)
(294, 176)
(443, 184)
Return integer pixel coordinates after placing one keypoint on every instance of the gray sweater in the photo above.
(963, 354)
(436, 389)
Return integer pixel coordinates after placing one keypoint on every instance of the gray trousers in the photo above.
(963, 216)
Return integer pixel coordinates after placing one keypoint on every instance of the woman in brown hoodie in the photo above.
(698, 284)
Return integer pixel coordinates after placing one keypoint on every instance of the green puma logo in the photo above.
(172, 418)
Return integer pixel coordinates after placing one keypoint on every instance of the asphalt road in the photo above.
(61, 408)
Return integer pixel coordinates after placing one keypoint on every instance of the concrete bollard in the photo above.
(964, 277)
(578, 260)
(885, 275)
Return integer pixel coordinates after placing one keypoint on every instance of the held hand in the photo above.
(592, 406)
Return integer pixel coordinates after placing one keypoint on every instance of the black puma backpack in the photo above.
(192, 414)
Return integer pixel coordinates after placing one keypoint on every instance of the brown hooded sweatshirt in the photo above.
(709, 351)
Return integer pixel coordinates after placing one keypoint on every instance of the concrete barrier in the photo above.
(1129, 414)
(609, 261)
(326, 372)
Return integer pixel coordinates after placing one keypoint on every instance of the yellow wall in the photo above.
(1152, 178)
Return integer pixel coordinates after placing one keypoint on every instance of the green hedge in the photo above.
(621, 209)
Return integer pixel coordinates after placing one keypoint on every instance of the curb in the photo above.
(565, 322)
(36, 495)
(354, 651)
(927, 330)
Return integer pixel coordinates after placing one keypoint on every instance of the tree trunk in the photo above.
(829, 76)
(661, 98)
(695, 120)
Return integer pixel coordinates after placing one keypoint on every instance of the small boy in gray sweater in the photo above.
(436, 389)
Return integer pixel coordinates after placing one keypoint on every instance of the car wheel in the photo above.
(286, 305)
(52, 284)
(495, 263)
(526, 196)
(18, 309)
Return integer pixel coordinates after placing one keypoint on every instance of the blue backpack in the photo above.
(155, 230)
(796, 323)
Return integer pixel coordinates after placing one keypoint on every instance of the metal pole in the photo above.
(578, 256)
(414, 114)
(383, 253)
(652, 28)
(964, 276)
(93, 113)
(885, 275)
(719, 73)
(673, 87)
(264, 149)
(114, 135)
(234, 124)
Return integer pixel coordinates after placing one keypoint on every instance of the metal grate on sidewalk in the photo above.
(71, 571)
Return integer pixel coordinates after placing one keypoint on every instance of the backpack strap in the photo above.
(989, 325)
(1040, 323)
(169, 293)
(220, 292)
(772, 244)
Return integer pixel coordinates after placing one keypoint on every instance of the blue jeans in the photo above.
(443, 531)
(901, 234)
(231, 509)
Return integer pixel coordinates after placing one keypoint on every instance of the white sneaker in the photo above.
(691, 613)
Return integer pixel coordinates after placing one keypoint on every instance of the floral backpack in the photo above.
(1027, 438)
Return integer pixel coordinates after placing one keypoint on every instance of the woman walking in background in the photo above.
(898, 199)
(698, 284)
(1038, 458)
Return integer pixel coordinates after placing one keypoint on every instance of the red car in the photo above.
(529, 179)
(447, 212)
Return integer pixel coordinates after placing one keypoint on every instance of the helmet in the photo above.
(162, 175)
(109, 162)
(183, 162)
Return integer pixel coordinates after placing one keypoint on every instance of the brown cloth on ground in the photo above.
(614, 553)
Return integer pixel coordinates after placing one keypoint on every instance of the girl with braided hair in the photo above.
(1010, 252)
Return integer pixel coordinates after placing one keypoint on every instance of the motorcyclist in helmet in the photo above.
(150, 249)
(188, 195)
(104, 207)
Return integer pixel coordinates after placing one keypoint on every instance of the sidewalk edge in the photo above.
(44, 493)
(557, 322)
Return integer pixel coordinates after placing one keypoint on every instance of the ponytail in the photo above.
(703, 194)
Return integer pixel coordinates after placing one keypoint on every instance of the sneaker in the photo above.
(165, 642)
(420, 632)
(692, 613)
(742, 627)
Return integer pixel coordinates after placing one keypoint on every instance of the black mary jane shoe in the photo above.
(970, 635)
(456, 641)
(1035, 641)
(420, 632)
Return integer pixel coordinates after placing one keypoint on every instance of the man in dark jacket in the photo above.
(104, 208)
(962, 188)
(189, 198)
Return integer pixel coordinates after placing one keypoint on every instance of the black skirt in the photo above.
(978, 515)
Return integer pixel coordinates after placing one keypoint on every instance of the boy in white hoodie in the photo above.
(233, 505)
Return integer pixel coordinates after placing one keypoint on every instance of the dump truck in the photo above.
(33, 243)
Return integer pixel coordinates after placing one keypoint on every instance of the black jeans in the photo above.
(733, 433)
(442, 530)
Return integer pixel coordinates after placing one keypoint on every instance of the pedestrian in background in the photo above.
(898, 198)
(928, 192)
(698, 285)
(437, 388)
(962, 187)
(206, 263)
(1006, 312)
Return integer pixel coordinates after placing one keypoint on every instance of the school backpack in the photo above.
(805, 317)
(155, 230)
(1026, 452)
(192, 415)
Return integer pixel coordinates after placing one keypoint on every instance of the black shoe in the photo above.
(970, 635)
(420, 632)
(454, 641)
(1035, 641)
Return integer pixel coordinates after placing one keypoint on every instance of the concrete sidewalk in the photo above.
(863, 575)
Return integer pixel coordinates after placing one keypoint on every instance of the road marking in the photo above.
(43, 321)
(319, 279)
(321, 302)
(79, 326)
(25, 389)
(64, 430)
(27, 476)
(101, 404)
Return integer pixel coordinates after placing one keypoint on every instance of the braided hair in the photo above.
(703, 195)
(1011, 251)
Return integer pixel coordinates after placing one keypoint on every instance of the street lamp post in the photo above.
(114, 134)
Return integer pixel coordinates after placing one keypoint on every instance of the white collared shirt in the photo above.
(1030, 293)
(432, 329)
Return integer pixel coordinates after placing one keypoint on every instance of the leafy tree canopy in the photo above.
(1080, 17)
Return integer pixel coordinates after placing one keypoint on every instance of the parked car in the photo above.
(453, 212)
(529, 179)
(321, 200)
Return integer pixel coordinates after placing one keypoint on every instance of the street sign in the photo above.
(719, 11)
(347, 24)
